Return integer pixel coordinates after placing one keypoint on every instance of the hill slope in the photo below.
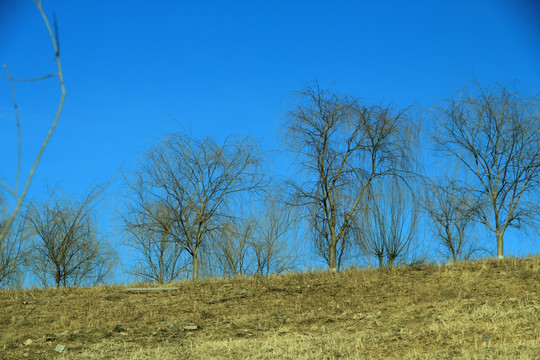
(482, 310)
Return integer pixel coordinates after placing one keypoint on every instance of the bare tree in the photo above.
(196, 181)
(452, 210)
(257, 240)
(14, 191)
(231, 247)
(388, 227)
(12, 250)
(160, 259)
(321, 236)
(274, 244)
(341, 147)
(495, 134)
(66, 250)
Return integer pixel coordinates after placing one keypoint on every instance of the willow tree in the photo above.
(341, 146)
(159, 259)
(387, 229)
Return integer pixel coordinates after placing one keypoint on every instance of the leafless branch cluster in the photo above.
(12, 250)
(452, 210)
(231, 246)
(276, 235)
(67, 250)
(342, 146)
(258, 243)
(494, 133)
(387, 227)
(195, 182)
(159, 259)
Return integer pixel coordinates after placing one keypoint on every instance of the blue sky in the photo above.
(137, 70)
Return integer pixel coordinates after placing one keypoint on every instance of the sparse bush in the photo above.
(66, 249)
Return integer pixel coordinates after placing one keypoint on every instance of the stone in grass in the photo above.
(60, 348)
(190, 327)
(28, 342)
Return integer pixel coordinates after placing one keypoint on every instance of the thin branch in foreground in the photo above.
(60, 75)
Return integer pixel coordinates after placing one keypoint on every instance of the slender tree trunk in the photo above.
(454, 255)
(332, 259)
(500, 244)
(195, 265)
(381, 262)
(499, 233)
(57, 277)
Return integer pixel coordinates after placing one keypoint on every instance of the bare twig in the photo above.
(18, 122)
(20, 199)
(39, 78)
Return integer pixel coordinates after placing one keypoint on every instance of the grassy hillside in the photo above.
(482, 310)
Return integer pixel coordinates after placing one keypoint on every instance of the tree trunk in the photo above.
(454, 255)
(332, 259)
(195, 266)
(500, 244)
(57, 277)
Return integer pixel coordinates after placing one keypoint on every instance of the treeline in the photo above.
(201, 208)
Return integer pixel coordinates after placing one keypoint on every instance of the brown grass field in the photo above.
(481, 310)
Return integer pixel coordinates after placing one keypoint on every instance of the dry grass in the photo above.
(482, 310)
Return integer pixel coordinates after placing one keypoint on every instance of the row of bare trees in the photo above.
(202, 208)
(354, 186)
(357, 185)
(189, 196)
(197, 207)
